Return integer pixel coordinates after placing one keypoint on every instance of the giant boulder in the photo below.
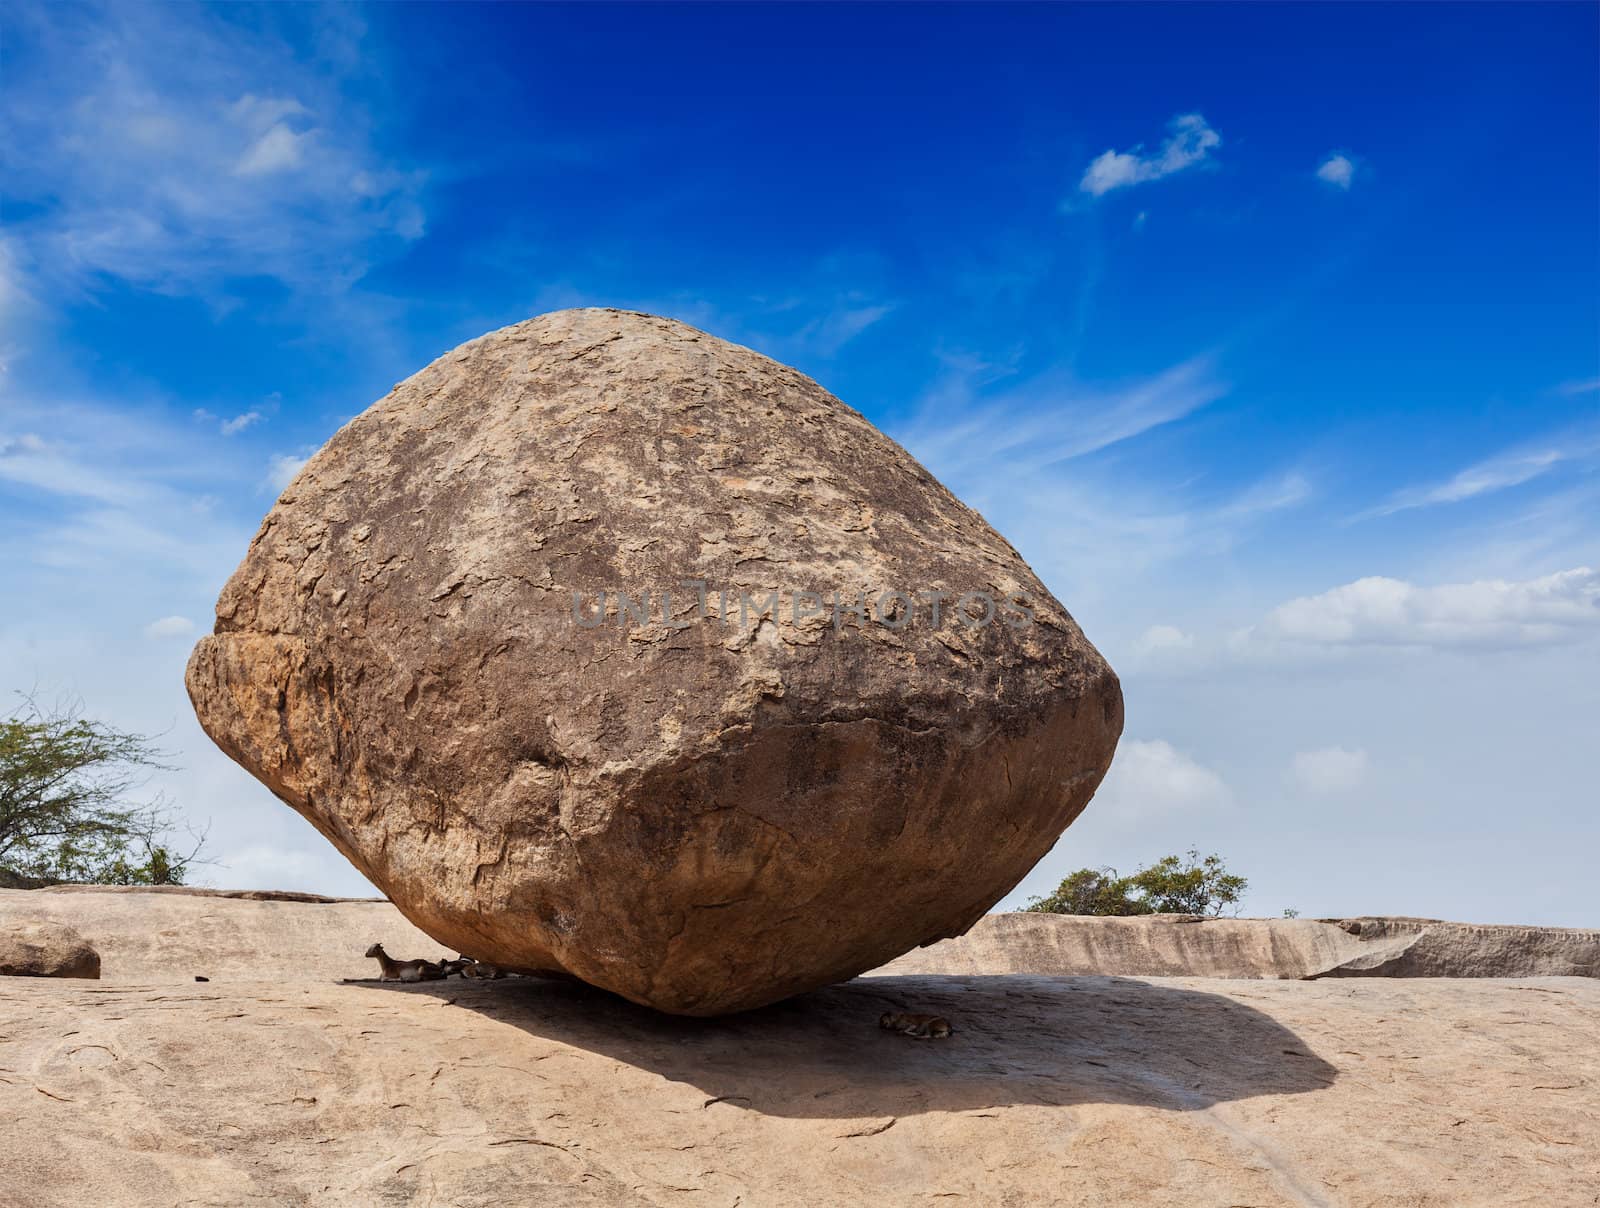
(704, 802)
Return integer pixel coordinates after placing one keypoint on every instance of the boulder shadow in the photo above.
(1019, 1040)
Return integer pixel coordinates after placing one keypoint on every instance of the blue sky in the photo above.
(1269, 334)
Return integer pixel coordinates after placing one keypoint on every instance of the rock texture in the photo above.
(33, 947)
(699, 807)
(1088, 1091)
(1189, 946)
(274, 1085)
(174, 935)
(168, 935)
(1402, 947)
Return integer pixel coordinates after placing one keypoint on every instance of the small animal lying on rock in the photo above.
(419, 971)
(405, 971)
(922, 1027)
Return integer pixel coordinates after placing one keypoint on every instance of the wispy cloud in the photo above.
(229, 427)
(239, 423)
(27, 460)
(1189, 142)
(1058, 465)
(1337, 170)
(1507, 469)
(830, 332)
(13, 296)
(169, 627)
(1161, 638)
(1329, 769)
(122, 493)
(158, 145)
(1051, 418)
(282, 467)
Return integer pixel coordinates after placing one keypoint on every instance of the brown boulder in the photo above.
(703, 805)
(40, 948)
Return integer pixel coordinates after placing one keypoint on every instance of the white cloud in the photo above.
(282, 468)
(1379, 611)
(1338, 171)
(278, 150)
(1508, 469)
(27, 442)
(229, 427)
(1329, 770)
(1191, 140)
(239, 423)
(169, 627)
(1150, 778)
(1588, 386)
(165, 146)
(1160, 638)
(262, 113)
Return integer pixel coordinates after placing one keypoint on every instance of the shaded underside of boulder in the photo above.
(42, 948)
(702, 804)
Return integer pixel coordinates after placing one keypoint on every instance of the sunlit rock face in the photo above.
(510, 642)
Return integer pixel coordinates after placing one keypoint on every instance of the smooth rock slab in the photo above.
(701, 806)
(1087, 1091)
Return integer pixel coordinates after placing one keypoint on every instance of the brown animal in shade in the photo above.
(404, 971)
(920, 1027)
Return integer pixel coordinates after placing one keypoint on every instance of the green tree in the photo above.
(1189, 885)
(64, 813)
(1091, 891)
(1184, 884)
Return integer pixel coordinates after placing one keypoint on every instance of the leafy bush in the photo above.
(1184, 884)
(1091, 891)
(63, 813)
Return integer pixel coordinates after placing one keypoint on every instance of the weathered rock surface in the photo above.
(273, 1085)
(704, 811)
(149, 935)
(32, 947)
(165, 935)
(1402, 947)
(1427, 1093)
(1189, 946)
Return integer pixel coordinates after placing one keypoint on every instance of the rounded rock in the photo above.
(45, 948)
(690, 798)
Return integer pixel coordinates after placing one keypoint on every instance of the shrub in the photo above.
(1091, 891)
(64, 817)
(1184, 884)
